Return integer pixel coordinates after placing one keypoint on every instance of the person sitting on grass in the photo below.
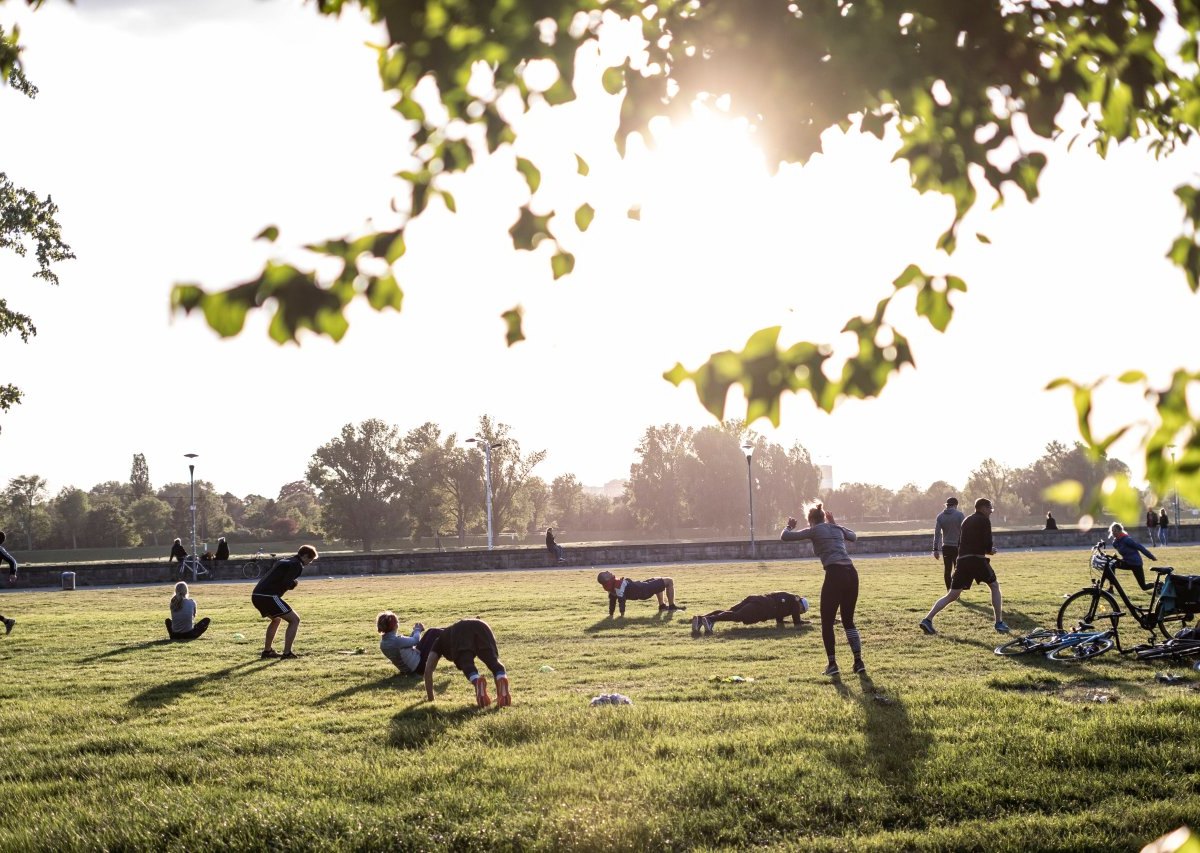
(182, 624)
(1130, 552)
(407, 653)
(462, 642)
(621, 589)
(268, 600)
(755, 608)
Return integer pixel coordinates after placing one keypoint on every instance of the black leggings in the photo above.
(840, 590)
(949, 556)
(756, 608)
(197, 630)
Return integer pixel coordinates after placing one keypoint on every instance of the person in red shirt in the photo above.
(621, 589)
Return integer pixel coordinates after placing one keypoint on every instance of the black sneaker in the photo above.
(289, 656)
(927, 626)
(832, 669)
(859, 666)
(269, 653)
(8, 625)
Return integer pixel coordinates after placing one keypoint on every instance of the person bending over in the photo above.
(407, 653)
(182, 624)
(462, 642)
(1130, 552)
(622, 589)
(755, 608)
(268, 600)
(840, 588)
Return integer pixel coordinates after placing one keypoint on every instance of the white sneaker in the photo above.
(695, 626)
(707, 626)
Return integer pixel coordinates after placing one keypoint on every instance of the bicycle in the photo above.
(1065, 646)
(252, 568)
(192, 567)
(1096, 602)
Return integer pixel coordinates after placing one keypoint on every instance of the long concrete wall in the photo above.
(589, 556)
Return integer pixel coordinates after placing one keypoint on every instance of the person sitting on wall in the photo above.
(1051, 524)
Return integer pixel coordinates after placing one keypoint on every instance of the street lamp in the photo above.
(192, 489)
(749, 451)
(487, 455)
(1174, 487)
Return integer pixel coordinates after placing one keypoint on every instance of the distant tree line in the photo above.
(371, 483)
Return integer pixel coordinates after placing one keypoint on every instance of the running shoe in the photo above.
(695, 626)
(859, 666)
(481, 694)
(503, 696)
(289, 656)
(1001, 627)
(927, 626)
(269, 653)
(707, 623)
(832, 669)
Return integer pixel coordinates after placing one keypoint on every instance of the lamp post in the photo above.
(487, 477)
(749, 451)
(192, 489)
(1174, 486)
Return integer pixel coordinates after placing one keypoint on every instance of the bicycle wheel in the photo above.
(1077, 652)
(1038, 642)
(250, 569)
(1093, 606)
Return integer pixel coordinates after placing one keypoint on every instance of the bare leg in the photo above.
(946, 600)
(293, 620)
(997, 603)
(670, 593)
(272, 627)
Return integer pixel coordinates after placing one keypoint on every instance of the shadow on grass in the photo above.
(737, 631)
(128, 649)
(894, 745)
(398, 682)
(659, 617)
(164, 694)
(420, 724)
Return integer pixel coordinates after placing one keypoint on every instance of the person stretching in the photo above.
(407, 653)
(1131, 552)
(462, 642)
(755, 608)
(621, 589)
(840, 589)
(268, 599)
(182, 624)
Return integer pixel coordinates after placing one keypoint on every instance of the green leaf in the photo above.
(270, 234)
(562, 263)
(581, 165)
(533, 175)
(448, 200)
(512, 324)
(613, 80)
(983, 238)
(584, 216)
(1066, 493)
(385, 292)
(530, 229)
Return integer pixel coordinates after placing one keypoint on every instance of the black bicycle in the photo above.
(253, 567)
(1096, 603)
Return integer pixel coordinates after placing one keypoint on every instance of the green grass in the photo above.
(114, 738)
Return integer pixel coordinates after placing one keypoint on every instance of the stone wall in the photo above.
(590, 556)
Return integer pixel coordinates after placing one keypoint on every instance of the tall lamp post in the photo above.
(749, 451)
(192, 489)
(487, 477)
(1174, 486)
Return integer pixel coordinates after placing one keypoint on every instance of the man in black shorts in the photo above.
(622, 589)
(973, 566)
(755, 608)
(462, 642)
(268, 599)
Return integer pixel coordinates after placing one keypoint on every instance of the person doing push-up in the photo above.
(755, 608)
(622, 589)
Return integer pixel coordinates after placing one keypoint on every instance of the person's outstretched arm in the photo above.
(430, 665)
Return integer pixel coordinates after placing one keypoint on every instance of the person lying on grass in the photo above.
(462, 642)
(407, 653)
(755, 608)
(622, 589)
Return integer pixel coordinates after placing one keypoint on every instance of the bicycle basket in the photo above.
(1100, 561)
(1181, 594)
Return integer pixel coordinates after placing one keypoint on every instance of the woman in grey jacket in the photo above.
(840, 589)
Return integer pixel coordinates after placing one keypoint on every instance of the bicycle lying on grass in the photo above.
(1068, 646)
(253, 567)
(1173, 602)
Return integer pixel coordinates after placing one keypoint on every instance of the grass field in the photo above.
(115, 738)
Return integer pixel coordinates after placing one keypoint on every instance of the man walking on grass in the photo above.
(975, 545)
(946, 530)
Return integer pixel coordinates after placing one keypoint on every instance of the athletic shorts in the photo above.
(641, 590)
(972, 569)
(270, 606)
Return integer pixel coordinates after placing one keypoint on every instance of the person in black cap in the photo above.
(975, 545)
(946, 529)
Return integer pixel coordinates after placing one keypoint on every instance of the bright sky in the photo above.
(169, 139)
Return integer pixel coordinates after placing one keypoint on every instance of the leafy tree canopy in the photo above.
(966, 89)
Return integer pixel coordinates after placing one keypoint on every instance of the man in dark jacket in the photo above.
(755, 608)
(974, 547)
(268, 599)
